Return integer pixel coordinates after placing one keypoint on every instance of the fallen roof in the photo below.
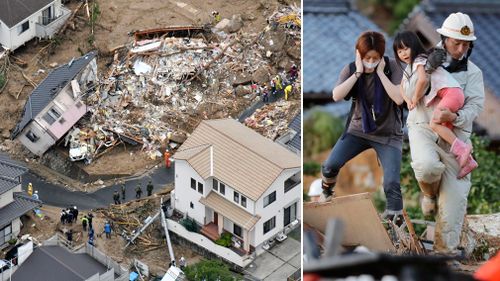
(331, 29)
(241, 158)
(58, 264)
(49, 88)
(485, 16)
(22, 203)
(14, 11)
(230, 210)
(11, 169)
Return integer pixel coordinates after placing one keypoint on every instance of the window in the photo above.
(236, 197)
(200, 187)
(51, 116)
(290, 184)
(25, 26)
(222, 188)
(237, 230)
(215, 185)
(243, 201)
(191, 205)
(269, 199)
(31, 136)
(270, 224)
(193, 184)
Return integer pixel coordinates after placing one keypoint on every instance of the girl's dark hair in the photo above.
(408, 39)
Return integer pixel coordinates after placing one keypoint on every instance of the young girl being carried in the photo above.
(444, 90)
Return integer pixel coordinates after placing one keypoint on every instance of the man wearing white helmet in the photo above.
(435, 167)
(315, 190)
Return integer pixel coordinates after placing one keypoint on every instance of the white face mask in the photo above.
(370, 65)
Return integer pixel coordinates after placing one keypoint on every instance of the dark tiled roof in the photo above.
(330, 32)
(7, 184)
(11, 169)
(22, 203)
(13, 12)
(49, 88)
(295, 142)
(485, 15)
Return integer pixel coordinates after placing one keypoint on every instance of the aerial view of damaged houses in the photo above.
(150, 140)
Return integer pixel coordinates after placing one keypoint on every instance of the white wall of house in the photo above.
(6, 198)
(16, 227)
(44, 142)
(275, 209)
(229, 195)
(184, 195)
(12, 38)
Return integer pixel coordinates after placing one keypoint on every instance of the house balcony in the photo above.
(47, 27)
(211, 231)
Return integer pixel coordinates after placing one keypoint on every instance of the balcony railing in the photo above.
(48, 26)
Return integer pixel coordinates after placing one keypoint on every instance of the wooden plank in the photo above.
(362, 223)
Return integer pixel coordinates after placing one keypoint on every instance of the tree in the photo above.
(209, 270)
(322, 131)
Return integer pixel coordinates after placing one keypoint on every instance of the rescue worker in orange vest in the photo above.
(167, 158)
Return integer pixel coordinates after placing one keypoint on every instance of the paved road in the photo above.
(56, 195)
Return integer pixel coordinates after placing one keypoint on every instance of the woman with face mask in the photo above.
(375, 121)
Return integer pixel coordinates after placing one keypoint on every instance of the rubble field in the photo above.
(153, 90)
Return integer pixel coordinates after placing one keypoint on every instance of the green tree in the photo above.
(209, 270)
(322, 131)
(398, 8)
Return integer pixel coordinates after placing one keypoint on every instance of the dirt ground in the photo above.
(151, 248)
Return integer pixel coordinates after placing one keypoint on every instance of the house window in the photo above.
(243, 201)
(200, 187)
(237, 230)
(193, 184)
(290, 184)
(222, 188)
(269, 199)
(270, 224)
(31, 136)
(215, 185)
(51, 116)
(191, 205)
(25, 26)
(5, 234)
(236, 197)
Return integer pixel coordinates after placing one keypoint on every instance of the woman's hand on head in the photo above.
(358, 62)
(381, 66)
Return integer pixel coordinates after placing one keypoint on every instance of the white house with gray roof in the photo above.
(56, 104)
(13, 202)
(23, 20)
(229, 178)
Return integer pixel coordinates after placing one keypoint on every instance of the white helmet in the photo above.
(458, 26)
(315, 188)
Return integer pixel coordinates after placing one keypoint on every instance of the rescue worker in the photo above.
(138, 191)
(107, 229)
(288, 91)
(315, 190)
(116, 197)
(149, 188)
(167, 158)
(123, 191)
(35, 195)
(30, 189)
(85, 222)
(435, 168)
(217, 17)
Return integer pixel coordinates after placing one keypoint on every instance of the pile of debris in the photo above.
(272, 120)
(169, 79)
